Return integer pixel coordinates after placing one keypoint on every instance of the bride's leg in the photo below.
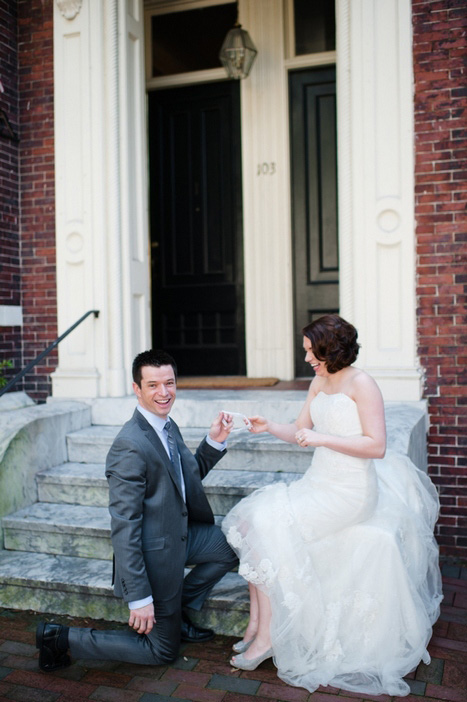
(252, 627)
(262, 641)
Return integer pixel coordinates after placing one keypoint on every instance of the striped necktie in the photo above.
(174, 456)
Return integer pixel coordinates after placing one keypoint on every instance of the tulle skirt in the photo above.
(347, 557)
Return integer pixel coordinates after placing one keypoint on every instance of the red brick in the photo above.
(283, 692)
(158, 687)
(197, 694)
(103, 677)
(114, 694)
(440, 692)
(188, 676)
(47, 682)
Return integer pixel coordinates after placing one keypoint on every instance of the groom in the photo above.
(161, 521)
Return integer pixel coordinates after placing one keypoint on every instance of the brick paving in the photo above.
(202, 672)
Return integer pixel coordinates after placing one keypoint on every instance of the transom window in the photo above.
(190, 40)
(314, 26)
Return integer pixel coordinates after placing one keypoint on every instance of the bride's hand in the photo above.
(258, 424)
(307, 437)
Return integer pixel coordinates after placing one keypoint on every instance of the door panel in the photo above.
(198, 308)
(314, 199)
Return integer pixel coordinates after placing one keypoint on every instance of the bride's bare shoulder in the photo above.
(362, 382)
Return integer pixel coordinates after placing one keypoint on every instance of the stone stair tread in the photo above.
(240, 482)
(83, 519)
(54, 517)
(74, 473)
(198, 407)
(91, 577)
(95, 432)
(55, 571)
(191, 435)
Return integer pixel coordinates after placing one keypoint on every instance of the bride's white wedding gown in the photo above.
(347, 556)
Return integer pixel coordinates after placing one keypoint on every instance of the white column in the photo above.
(376, 188)
(266, 196)
(101, 210)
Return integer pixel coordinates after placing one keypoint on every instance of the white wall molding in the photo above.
(266, 197)
(376, 188)
(101, 210)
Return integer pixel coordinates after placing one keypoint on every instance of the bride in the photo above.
(342, 564)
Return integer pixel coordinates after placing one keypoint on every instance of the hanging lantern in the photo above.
(237, 52)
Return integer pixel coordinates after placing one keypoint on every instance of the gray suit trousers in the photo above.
(212, 557)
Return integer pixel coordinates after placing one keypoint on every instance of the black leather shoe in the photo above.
(192, 633)
(52, 652)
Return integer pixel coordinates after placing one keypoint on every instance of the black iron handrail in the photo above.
(42, 355)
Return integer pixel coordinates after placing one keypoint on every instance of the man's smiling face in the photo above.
(158, 389)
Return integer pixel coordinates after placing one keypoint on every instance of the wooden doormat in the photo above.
(225, 381)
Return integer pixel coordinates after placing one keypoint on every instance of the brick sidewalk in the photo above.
(203, 674)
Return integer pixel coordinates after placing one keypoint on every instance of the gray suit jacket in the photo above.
(149, 518)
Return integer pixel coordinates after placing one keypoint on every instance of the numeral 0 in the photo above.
(266, 168)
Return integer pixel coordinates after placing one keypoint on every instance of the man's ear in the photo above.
(137, 389)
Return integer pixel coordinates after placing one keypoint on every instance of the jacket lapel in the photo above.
(153, 438)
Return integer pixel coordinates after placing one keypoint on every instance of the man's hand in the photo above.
(142, 619)
(221, 427)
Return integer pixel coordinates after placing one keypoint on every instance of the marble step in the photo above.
(85, 484)
(198, 408)
(74, 484)
(71, 530)
(81, 587)
(84, 530)
(246, 452)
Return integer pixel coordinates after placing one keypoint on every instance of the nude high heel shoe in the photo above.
(242, 646)
(244, 664)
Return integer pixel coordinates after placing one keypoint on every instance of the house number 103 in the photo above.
(266, 168)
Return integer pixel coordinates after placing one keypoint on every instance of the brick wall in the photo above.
(10, 290)
(440, 62)
(37, 189)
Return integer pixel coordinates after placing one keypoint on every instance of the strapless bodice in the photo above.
(335, 414)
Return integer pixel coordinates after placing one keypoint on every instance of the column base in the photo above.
(75, 383)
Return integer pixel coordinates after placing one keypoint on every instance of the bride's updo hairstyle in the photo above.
(333, 340)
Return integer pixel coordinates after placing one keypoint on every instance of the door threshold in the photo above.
(232, 382)
(225, 381)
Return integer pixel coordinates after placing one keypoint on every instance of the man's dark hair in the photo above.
(153, 357)
(333, 340)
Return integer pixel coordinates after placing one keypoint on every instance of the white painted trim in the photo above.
(11, 316)
(325, 58)
(266, 198)
(376, 188)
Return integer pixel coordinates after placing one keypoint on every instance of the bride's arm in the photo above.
(286, 432)
(372, 444)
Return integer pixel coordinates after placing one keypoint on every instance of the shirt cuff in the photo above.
(216, 444)
(140, 603)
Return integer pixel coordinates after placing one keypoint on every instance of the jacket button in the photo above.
(183, 538)
(184, 514)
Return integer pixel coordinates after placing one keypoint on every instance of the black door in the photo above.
(314, 199)
(196, 227)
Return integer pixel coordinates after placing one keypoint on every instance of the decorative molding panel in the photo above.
(266, 196)
(376, 188)
(69, 8)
